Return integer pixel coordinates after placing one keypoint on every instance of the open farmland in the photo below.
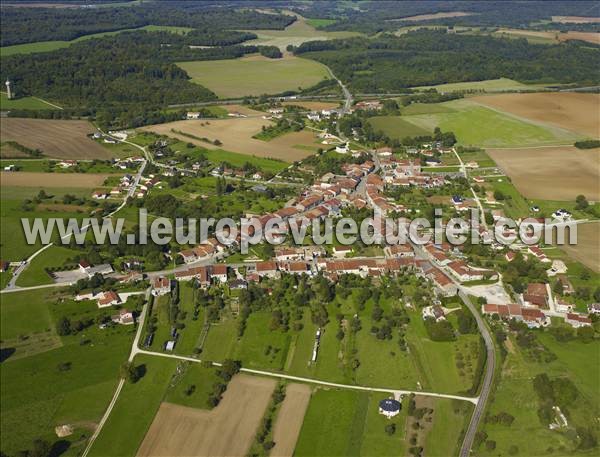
(429, 17)
(478, 125)
(255, 75)
(396, 127)
(488, 85)
(29, 179)
(226, 430)
(553, 173)
(316, 106)
(550, 36)
(55, 138)
(289, 419)
(588, 241)
(236, 136)
(576, 19)
(300, 31)
(577, 112)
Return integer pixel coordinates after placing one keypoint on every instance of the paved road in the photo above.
(488, 377)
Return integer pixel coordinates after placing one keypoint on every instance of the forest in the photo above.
(428, 57)
(28, 25)
(375, 17)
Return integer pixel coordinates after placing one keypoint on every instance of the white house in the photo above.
(341, 251)
(578, 320)
(434, 311)
(161, 286)
(389, 407)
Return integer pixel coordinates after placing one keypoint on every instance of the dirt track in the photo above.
(56, 138)
(236, 136)
(34, 179)
(227, 430)
(289, 420)
(576, 112)
(552, 173)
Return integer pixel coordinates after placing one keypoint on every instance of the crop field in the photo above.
(477, 125)
(551, 37)
(579, 113)
(553, 173)
(396, 127)
(255, 75)
(23, 103)
(576, 19)
(488, 85)
(36, 394)
(228, 429)
(298, 32)
(50, 180)
(428, 17)
(55, 138)
(236, 136)
(588, 241)
(46, 46)
(289, 419)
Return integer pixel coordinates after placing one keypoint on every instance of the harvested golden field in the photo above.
(227, 430)
(55, 138)
(313, 105)
(576, 112)
(236, 136)
(289, 420)
(242, 109)
(588, 242)
(552, 173)
(427, 17)
(576, 19)
(34, 179)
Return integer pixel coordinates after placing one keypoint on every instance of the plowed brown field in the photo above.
(227, 430)
(55, 138)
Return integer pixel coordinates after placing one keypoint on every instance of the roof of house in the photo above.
(109, 297)
(266, 266)
(219, 269)
(390, 405)
(161, 282)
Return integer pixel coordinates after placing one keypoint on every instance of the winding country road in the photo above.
(488, 377)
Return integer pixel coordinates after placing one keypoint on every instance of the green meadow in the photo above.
(23, 103)
(397, 127)
(121, 436)
(68, 382)
(47, 46)
(515, 395)
(255, 75)
(476, 125)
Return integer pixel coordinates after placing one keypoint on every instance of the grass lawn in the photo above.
(188, 337)
(13, 245)
(450, 417)
(476, 125)
(436, 360)
(23, 103)
(397, 127)
(135, 409)
(193, 374)
(47, 46)
(35, 274)
(239, 160)
(260, 347)
(425, 108)
(255, 75)
(320, 22)
(221, 340)
(514, 205)
(515, 395)
(36, 393)
(382, 363)
(333, 424)
(375, 441)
